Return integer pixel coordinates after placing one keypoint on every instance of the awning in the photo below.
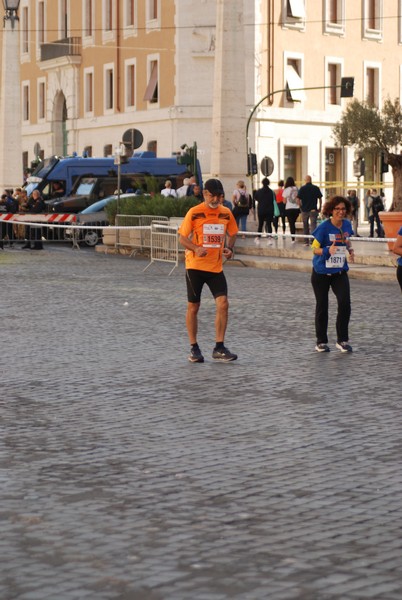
(297, 8)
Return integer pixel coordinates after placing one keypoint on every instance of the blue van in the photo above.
(55, 177)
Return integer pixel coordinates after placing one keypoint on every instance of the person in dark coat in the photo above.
(36, 205)
(265, 198)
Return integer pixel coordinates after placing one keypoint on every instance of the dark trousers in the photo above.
(399, 275)
(10, 232)
(33, 233)
(281, 206)
(376, 219)
(292, 214)
(266, 218)
(339, 284)
(2, 232)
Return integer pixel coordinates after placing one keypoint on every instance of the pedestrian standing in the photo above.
(355, 205)
(241, 205)
(309, 196)
(292, 210)
(168, 191)
(35, 205)
(374, 206)
(330, 245)
(281, 206)
(208, 233)
(265, 198)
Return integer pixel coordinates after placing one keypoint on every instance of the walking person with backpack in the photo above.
(374, 206)
(241, 205)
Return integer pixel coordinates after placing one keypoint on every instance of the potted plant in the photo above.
(371, 129)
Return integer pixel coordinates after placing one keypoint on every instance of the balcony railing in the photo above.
(70, 46)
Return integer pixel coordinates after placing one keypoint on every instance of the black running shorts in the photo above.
(195, 280)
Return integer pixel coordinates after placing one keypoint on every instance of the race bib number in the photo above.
(213, 235)
(337, 260)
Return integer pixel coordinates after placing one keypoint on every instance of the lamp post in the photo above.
(346, 86)
(10, 101)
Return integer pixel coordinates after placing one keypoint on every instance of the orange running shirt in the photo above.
(207, 227)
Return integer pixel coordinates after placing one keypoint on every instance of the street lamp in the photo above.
(11, 9)
(346, 86)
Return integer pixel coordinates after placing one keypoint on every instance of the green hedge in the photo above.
(151, 205)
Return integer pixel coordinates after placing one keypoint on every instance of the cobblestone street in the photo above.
(127, 473)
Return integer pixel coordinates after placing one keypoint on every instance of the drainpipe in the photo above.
(118, 55)
(270, 46)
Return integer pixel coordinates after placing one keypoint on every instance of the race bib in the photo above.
(337, 260)
(213, 235)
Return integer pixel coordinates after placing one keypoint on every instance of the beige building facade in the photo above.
(313, 44)
(182, 71)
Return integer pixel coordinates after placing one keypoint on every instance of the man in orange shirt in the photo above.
(208, 233)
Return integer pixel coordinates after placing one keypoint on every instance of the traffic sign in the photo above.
(132, 139)
(267, 166)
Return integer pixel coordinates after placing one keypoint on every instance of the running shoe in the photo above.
(322, 348)
(344, 347)
(196, 355)
(223, 354)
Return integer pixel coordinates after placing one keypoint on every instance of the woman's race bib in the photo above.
(337, 260)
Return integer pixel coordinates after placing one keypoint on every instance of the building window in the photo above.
(335, 16)
(292, 162)
(372, 85)
(373, 19)
(153, 9)
(25, 101)
(130, 84)
(108, 15)
(87, 152)
(41, 23)
(109, 86)
(88, 18)
(41, 99)
(294, 79)
(108, 150)
(64, 24)
(152, 146)
(88, 91)
(153, 14)
(25, 30)
(152, 92)
(333, 83)
(294, 13)
(130, 13)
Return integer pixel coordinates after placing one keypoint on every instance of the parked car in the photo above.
(94, 215)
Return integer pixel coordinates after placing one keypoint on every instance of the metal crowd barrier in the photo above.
(164, 244)
(137, 239)
(33, 228)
